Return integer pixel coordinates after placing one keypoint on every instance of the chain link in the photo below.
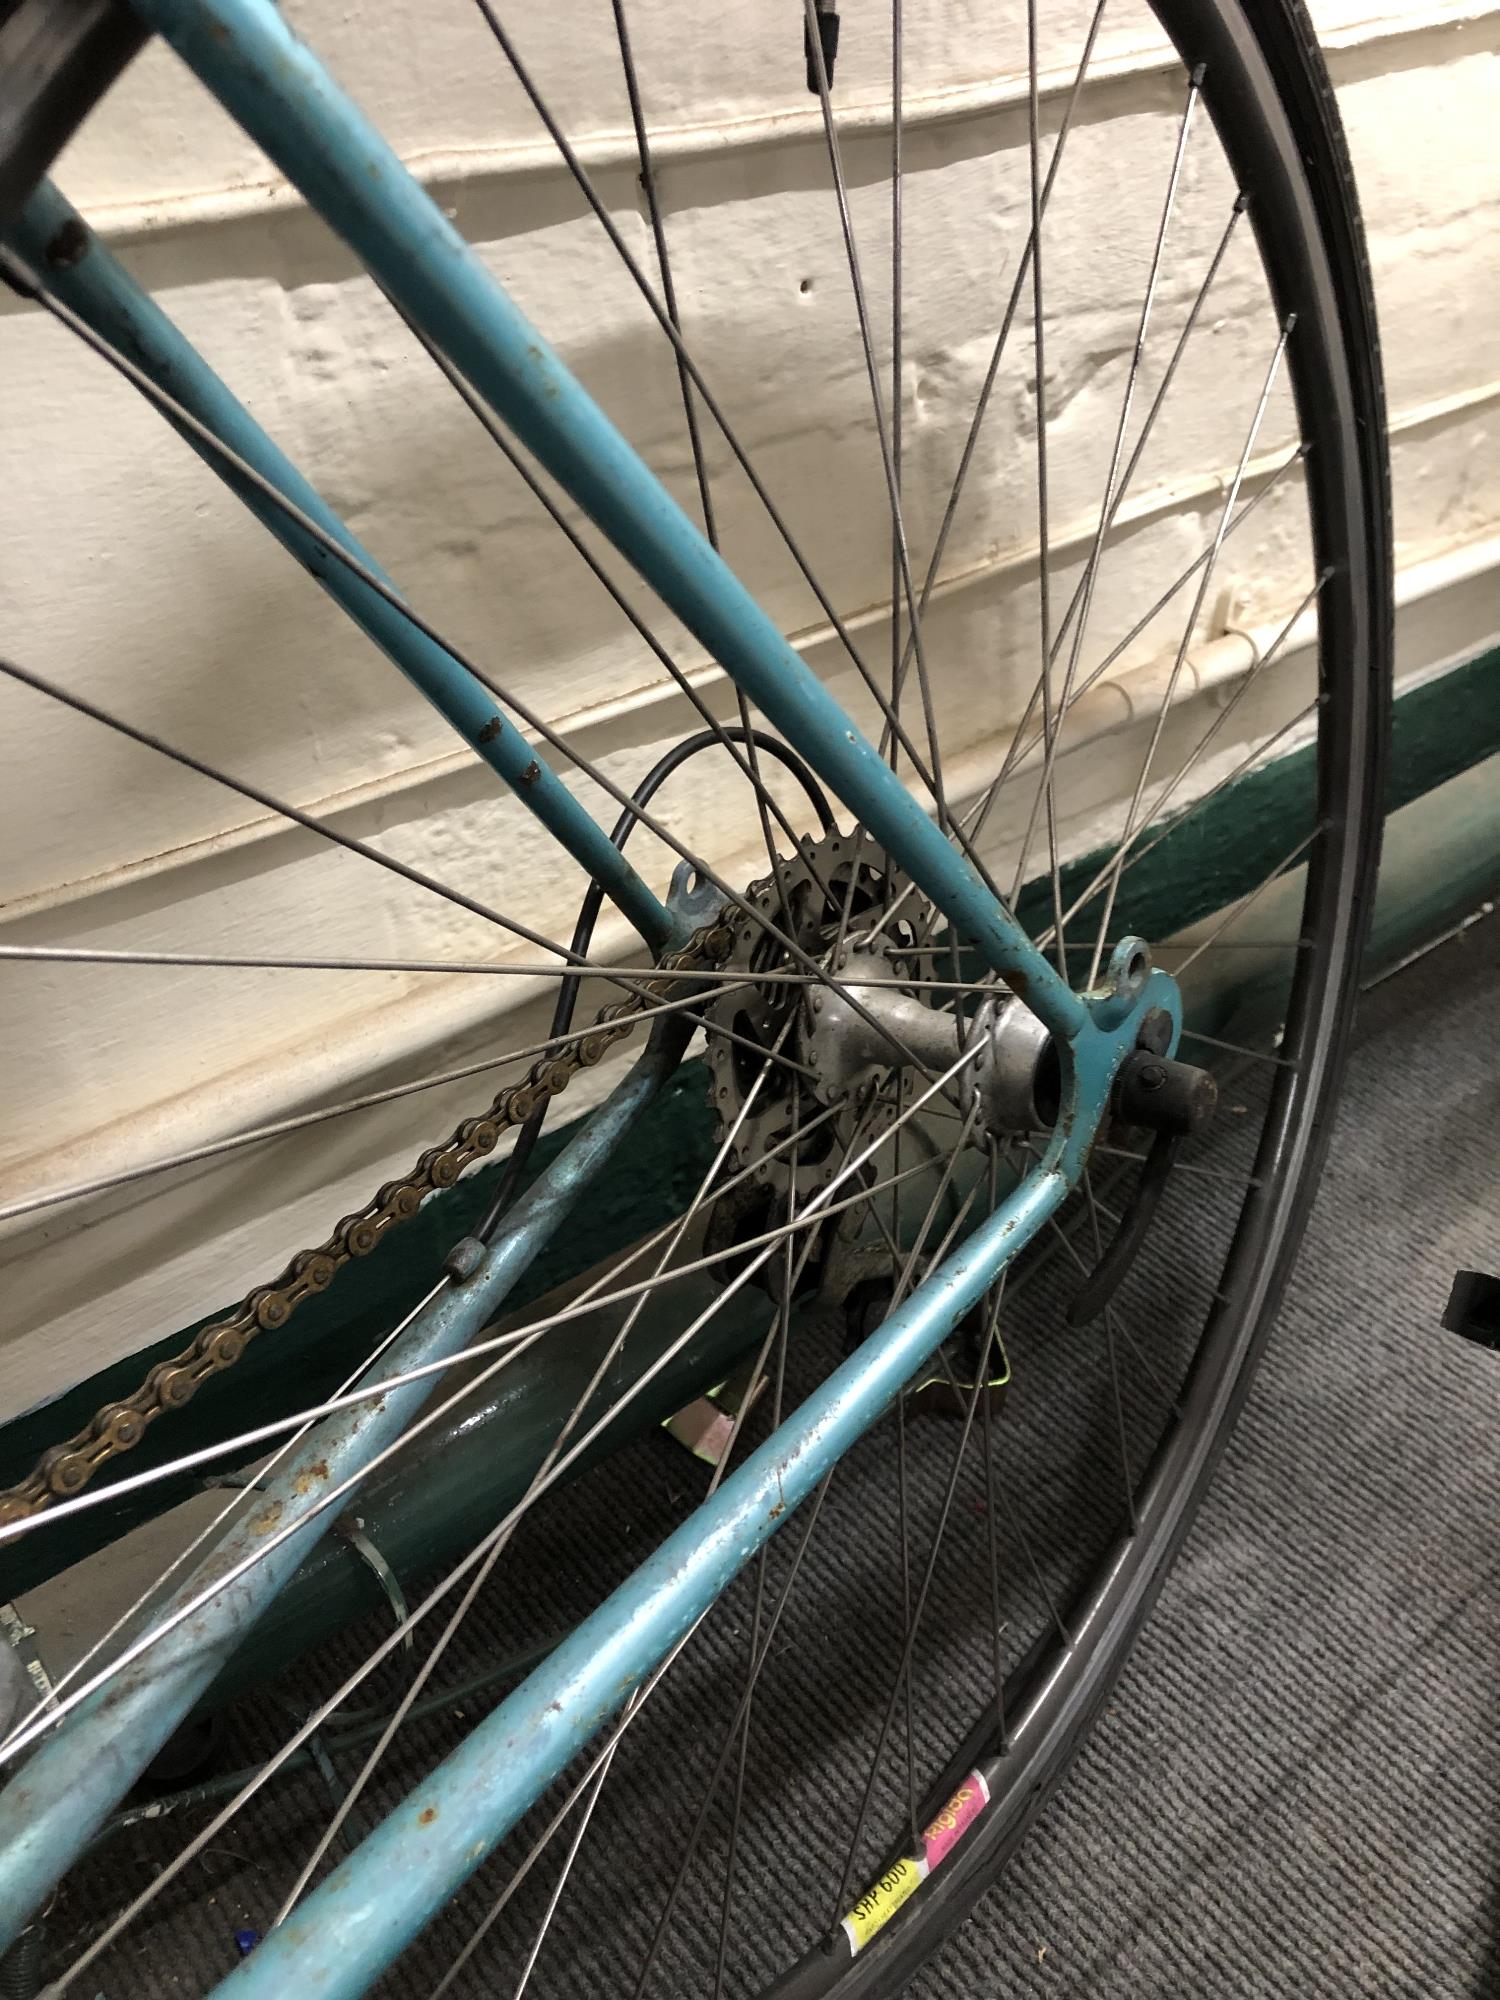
(67, 1468)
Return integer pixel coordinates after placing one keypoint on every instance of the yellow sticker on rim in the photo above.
(879, 1904)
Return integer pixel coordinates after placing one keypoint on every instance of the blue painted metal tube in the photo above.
(101, 291)
(247, 55)
(337, 1943)
(76, 1777)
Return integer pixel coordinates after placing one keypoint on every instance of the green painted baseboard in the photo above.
(1442, 859)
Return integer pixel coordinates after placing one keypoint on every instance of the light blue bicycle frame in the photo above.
(350, 1928)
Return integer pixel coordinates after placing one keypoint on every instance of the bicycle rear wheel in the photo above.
(978, 1657)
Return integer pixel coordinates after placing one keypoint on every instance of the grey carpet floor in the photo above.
(1296, 1786)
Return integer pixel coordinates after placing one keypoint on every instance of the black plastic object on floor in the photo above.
(1473, 1308)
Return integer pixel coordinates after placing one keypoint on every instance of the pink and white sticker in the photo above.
(965, 1806)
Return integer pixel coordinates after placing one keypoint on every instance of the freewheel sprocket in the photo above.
(834, 891)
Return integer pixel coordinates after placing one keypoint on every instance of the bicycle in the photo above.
(897, 978)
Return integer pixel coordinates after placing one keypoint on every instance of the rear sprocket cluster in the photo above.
(830, 897)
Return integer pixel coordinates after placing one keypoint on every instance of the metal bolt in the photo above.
(1151, 1076)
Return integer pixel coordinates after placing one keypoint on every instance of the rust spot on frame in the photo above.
(491, 730)
(67, 244)
(532, 772)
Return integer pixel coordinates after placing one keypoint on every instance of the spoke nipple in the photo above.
(820, 58)
(465, 1258)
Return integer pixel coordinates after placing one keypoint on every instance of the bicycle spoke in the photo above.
(592, 1777)
(550, 1457)
(1248, 901)
(746, 759)
(1043, 536)
(1192, 1168)
(1252, 757)
(898, 398)
(1018, 285)
(903, 1669)
(1107, 507)
(1048, 1600)
(664, 266)
(782, 1331)
(1242, 944)
(585, 186)
(1021, 745)
(878, 413)
(1274, 652)
(992, 1532)
(704, 975)
(1114, 1364)
(566, 1870)
(690, 413)
(1138, 450)
(1192, 618)
(302, 1121)
(282, 808)
(903, 1517)
(1120, 861)
(1239, 1049)
(1082, 1264)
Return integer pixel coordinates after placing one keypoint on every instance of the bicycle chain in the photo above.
(65, 1469)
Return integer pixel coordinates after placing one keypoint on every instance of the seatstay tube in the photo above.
(55, 241)
(271, 82)
(77, 1776)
